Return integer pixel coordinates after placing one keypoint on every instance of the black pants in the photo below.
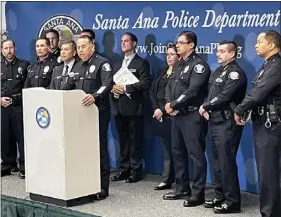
(12, 127)
(130, 132)
(104, 118)
(268, 155)
(187, 140)
(168, 174)
(225, 138)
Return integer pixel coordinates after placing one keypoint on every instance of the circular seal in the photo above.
(43, 117)
(68, 27)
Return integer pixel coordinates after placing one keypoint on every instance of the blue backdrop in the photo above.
(156, 24)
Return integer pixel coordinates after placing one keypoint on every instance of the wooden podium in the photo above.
(62, 159)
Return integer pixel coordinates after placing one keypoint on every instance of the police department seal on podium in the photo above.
(43, 117)
(68, 27)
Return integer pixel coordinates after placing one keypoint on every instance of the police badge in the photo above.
(20, 70)
(92, 68)
(46, 69)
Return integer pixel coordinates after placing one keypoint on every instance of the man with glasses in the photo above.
(185, 92)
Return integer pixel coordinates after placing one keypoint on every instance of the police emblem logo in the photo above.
(186, 69)
(20, 70)
(106, 67)
(43, 117)
(199, 68)
(233, 75)
(46, 69)
(68, 27)
(92, 68)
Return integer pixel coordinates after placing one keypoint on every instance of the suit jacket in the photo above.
(154, 89)
(133, 105)
(57, 78)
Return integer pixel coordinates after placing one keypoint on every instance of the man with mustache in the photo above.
(13, 75)
(227, 88)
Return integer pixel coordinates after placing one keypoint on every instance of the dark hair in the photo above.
(6, 40)
(72, 43)
(174, 47)
(92, 33)
(273, 37)
(132, 36)
(46, 40)
(231, 46)
(86, 37)
(53, 31)
(190, 37)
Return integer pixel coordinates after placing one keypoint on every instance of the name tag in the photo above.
(133, 70)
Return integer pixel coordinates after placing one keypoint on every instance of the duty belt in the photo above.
(267, 114)
(221, 115)
(186, 110)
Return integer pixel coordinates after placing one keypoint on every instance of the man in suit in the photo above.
(67, 53)
(127, 107)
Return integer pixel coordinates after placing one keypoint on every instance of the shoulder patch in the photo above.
(199, 68)
(233, 75)
(106, 67)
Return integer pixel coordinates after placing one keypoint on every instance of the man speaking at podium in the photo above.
(93, 75)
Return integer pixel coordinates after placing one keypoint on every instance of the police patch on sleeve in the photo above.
(233, 75)
(106, 67)
(199, 68)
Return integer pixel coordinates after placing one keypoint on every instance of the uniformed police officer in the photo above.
(185, 92)
(60, 73)
(13, 75)
(54, 39)
(93, 75)
(227, 88)
(264, 100)
(40, 73)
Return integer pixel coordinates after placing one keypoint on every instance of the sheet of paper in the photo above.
(124, 76)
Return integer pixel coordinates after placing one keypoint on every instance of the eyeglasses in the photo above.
(183, 42)
(170, 54)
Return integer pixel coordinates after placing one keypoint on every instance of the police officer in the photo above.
(185, 92)
(59, 76)
(40, 73)
(93, 75)
(53, 36)
(264, 102)
(13, 75)
(227, 88)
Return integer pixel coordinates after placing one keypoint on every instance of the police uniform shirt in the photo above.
(40, 73)
(228, 85)
(188, 85)
(267, 86)
(93, 76)
(13, 75)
